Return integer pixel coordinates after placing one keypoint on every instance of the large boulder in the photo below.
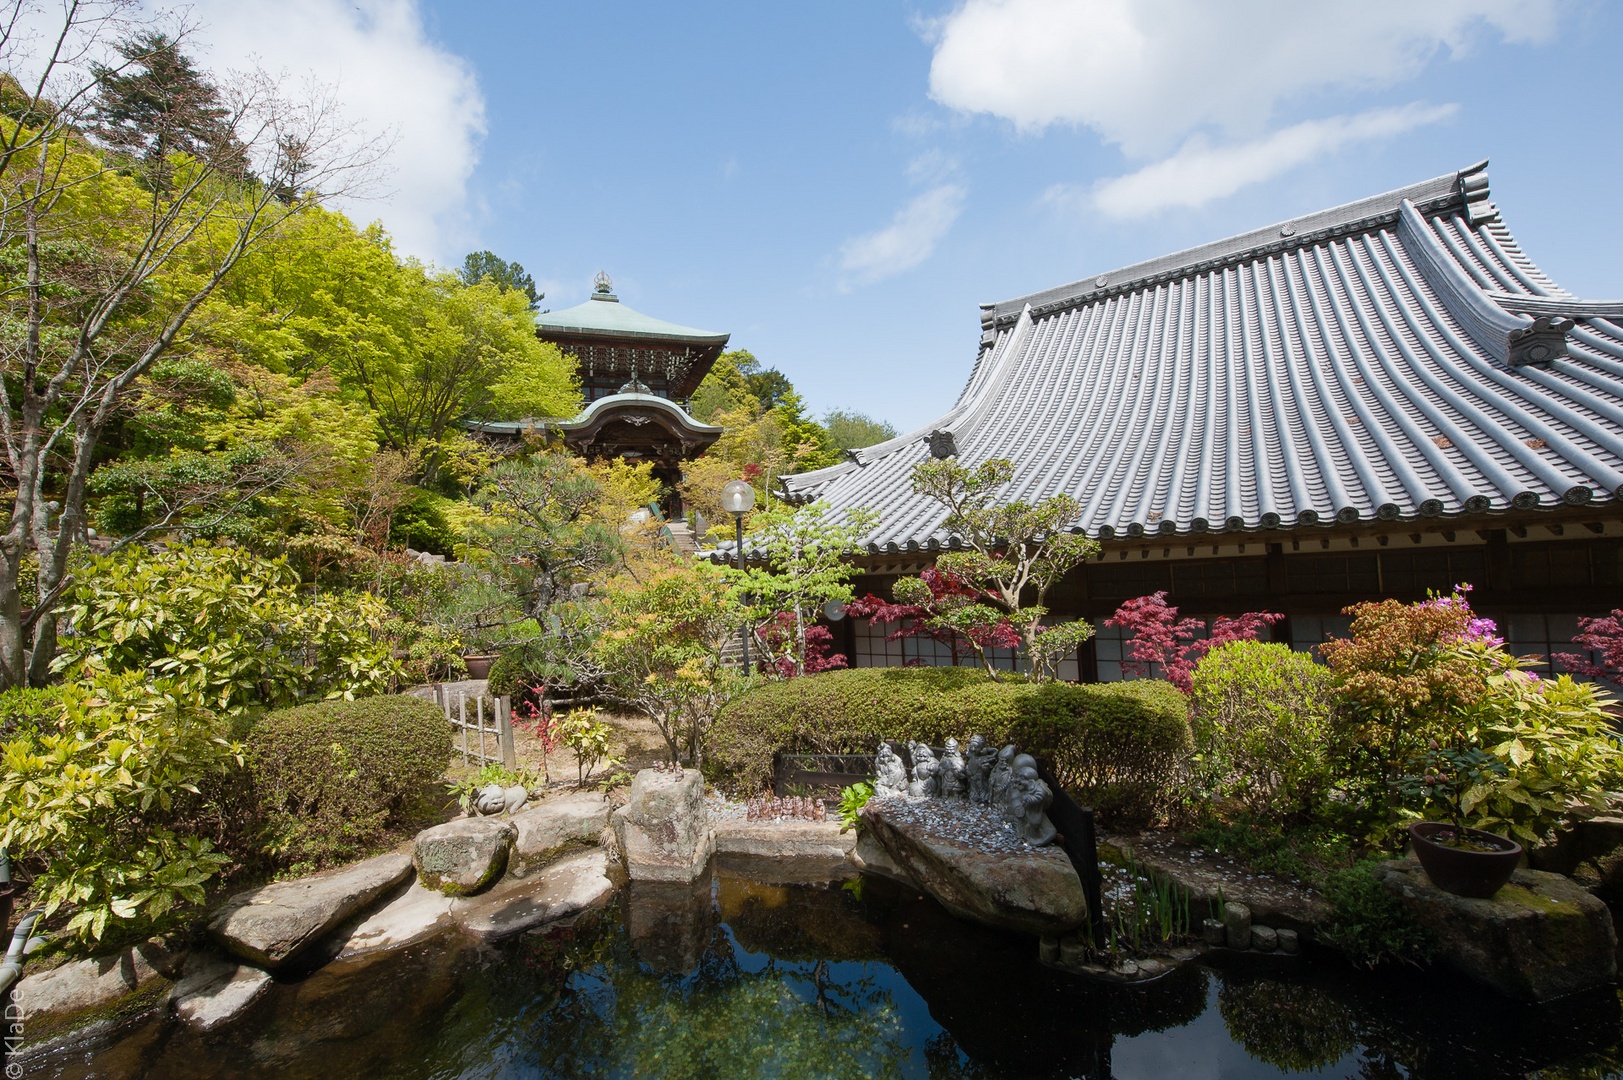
(663, 830)
(459, 858)
(976, 869)
(214, 991)
(554, 828)
(1539, 937)
(271, 925)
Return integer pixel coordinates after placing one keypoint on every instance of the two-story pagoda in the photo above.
(637, 373)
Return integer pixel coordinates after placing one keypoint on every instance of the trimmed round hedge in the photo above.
(333, 775)
(1114, 746)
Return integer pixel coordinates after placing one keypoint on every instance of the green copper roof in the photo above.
(605, 315)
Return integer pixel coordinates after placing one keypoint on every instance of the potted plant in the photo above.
(1458, 859)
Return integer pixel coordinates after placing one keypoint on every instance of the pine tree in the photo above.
(507, 275)
(158, 104)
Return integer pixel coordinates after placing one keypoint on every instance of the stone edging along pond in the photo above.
(501, 876)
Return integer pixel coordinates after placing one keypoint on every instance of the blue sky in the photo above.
(839, 184)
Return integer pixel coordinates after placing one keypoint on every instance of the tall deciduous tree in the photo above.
(104, 261)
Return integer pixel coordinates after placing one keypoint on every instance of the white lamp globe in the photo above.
(737, 497)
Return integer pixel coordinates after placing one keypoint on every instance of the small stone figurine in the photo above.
(925, 768)
(1026, 802)
(997, 781)
(950, 773)
(890, 778)
(978, 758)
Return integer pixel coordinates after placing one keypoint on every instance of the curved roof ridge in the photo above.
(610, 318)
(1466, 188)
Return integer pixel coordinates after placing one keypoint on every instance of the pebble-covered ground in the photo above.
(971, 824)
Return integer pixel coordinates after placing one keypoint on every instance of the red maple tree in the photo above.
(1160, 637)
(947, 591)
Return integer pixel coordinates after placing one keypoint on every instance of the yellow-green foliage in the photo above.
(1261, 719)
(229, 628)
(331, 776)
(93, 795)
(1553, 737)
(1114, 746)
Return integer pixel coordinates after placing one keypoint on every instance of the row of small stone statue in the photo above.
(1004, 779)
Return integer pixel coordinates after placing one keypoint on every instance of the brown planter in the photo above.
(1462, 872)
(478, 666)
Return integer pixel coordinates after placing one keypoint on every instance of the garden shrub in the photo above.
(333, 775)
(93, 796)
(1261, 720)
(1115, 746)
(1553, 740)
(229, 628)
(1369, 924)
(420, 523)
(27, 707)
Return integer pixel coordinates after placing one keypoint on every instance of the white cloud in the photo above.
(1199, 173)
(1145, 74)
(389, 78)
(907, 241)
(931, 167)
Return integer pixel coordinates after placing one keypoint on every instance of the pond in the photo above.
(736, 978)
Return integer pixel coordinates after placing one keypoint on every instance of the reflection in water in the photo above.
(742, 979)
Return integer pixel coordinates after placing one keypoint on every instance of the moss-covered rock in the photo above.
(465, 856)
(1540, 937)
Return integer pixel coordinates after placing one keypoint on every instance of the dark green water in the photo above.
(739, 979)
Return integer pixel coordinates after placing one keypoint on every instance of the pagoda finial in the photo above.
(602, 282)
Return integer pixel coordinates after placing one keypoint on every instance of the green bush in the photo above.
(92, 796)
(27, 707)
(421, 524)
(333, 775)
(1370, 926)
(1261, 720)
(1114, 746)
(230, 629)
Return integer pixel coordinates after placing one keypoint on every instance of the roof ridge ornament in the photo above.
(942, 444)
(603, 287)
(1474, 190)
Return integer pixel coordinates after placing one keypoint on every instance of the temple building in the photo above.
(1371, 401)
(637, 374)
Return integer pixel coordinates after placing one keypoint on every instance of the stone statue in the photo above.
(1026, 803)
(997, 781)
(925, 768)
(491, 799)
(889, 777)
(950, 774)
(978, 758)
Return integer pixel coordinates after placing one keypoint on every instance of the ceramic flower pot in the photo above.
(479, 666)
(1464, 871)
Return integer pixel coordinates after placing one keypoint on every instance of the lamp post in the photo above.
(738, 499)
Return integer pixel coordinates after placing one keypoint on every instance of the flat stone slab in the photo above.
(270, 925)
(83, 992)
(1011, 886)
(1274, 901)
(784, 839)
(462, 857)
(663, 830)
(1542, 936)
(555, 828)
(417, 914)
(215, 990)
(566, 888)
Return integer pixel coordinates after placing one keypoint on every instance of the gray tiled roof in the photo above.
(1391, 359)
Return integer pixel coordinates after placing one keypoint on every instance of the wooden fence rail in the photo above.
(499, 730)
